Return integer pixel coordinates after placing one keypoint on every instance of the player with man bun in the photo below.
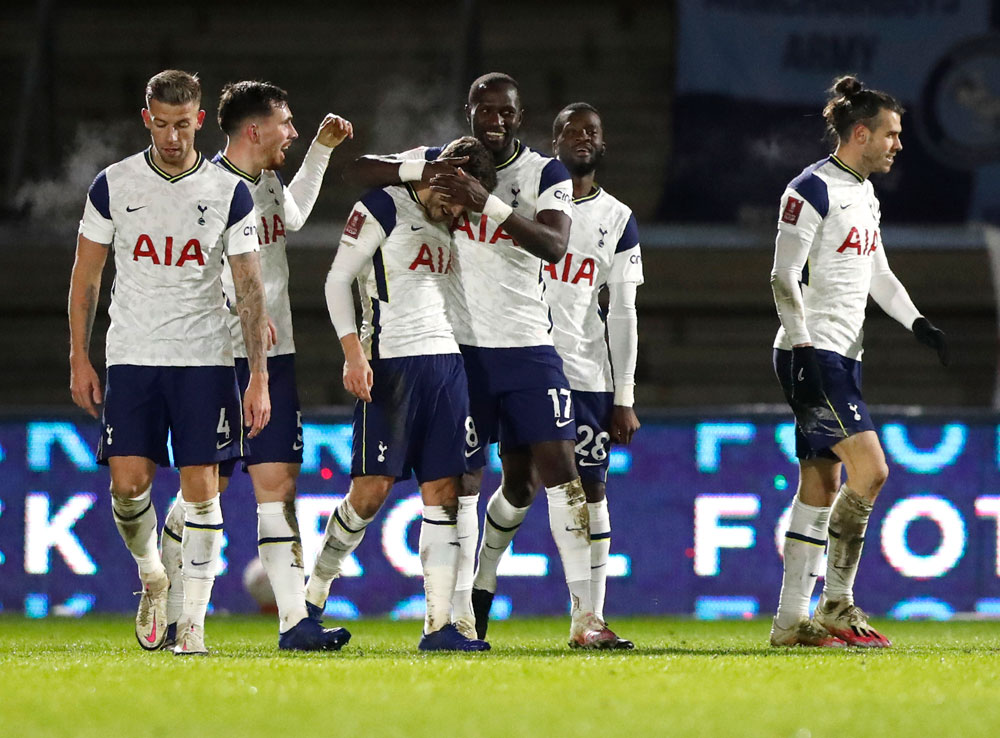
(829, 258)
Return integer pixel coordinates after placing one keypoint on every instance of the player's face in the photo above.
(275, 134)
(883, 143)
(172, 128)
(580, 143)
(495, 116)
(440, 210)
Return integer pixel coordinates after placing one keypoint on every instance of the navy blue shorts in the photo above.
(593, 439)
(518, 396)
(418, 420)
(281, 439)
(818, 428)
(199, 406)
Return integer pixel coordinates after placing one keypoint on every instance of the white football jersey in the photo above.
(603, 248)
(497, 285)
(404, 293)
(833, 210)
(169, 234)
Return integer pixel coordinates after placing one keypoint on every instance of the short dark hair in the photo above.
(492, 78)
(563, 115)
(480, 164)
(173, 87)
(850, 103)
(240, 101)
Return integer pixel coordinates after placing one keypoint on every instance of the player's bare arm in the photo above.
(358, 377)
(334, 130)
(250, 305)
(545, 237)
(84, 290)
(369, 172)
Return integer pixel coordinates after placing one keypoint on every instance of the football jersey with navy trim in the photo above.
(833, 210)
(169, 234)
(404, 293)
(603, 248)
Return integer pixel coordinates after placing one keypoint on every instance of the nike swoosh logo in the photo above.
(151, 638)
(801, 376)
(590, 463)
(497, 548)
(200, 563)
(574, 530)
(297, 446)
(132, 210)
(415, 228)
(563, 423)
(814, 576)
(844, 207)
(468, 454)
(220, 446)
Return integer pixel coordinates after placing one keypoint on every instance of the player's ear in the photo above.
(147, 119)
(201, 119)
(468, 114)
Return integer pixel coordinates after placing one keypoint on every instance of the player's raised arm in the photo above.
(370, 171)
(301, 193)
(84, 290)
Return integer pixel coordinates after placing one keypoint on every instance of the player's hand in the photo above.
(358, 378)
(624, 424)
(256, 404)
(447, 165)
(85, 386)
(807, 380)
(461, 189)
(927, 334)
(272, 335)
(333, 130)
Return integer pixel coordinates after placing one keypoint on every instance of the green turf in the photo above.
(686, 678)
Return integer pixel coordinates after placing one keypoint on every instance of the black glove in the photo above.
(807, 381)
(928, 335)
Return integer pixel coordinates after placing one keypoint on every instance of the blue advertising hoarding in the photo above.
(698, 506)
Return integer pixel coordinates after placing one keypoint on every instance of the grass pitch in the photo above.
(686, 678)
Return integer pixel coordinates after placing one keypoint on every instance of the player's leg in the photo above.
(200, 549)
(480, 432)
(802, 552)
(592, 451)
(170, 553)
(135, 518)
(439, 559)
(867, 472)
(344, 532)
(206, 423)
(505, 512)
(133, 443)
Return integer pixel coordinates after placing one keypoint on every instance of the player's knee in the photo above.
(519, 493)
(129, 485)
(879, 476)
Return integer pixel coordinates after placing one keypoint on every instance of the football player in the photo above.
(171, 217)
(828, 258)
(257, 121)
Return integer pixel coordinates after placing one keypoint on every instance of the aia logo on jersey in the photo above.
(585, 272)
(270, 234)
(427, 260)
(480, 233)
(861, 246)
(191, 252)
